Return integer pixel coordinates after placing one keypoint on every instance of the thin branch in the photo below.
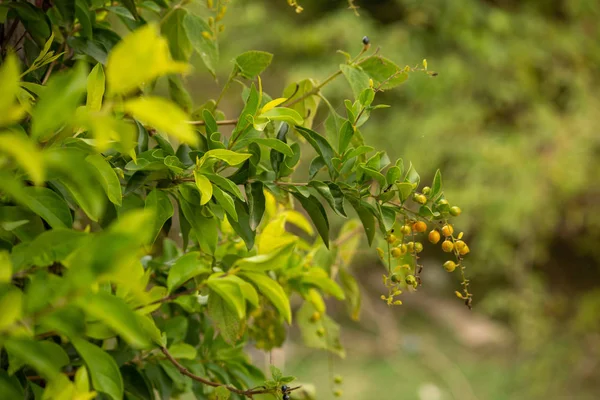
(223, 122)
(53, 64)
(183, 370)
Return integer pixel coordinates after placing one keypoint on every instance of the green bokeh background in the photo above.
(512, 120)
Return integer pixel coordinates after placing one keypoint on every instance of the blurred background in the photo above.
(512, 121)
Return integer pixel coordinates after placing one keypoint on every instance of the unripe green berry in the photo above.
(411, 281)
(426, 190)
(455, 210)
(418, 247)
(338, 379)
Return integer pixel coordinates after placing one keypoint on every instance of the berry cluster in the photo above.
(403, 251)
(286, 392)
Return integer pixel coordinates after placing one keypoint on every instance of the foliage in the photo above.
(512, 121)
(142, 248)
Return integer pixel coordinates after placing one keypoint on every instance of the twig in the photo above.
(183, 370)
(51, 67)
(223, 122)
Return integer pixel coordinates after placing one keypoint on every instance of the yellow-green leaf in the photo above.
(272, 291)
(95, 88)
(272, 104)
(106, 377)
(9, 88)
(230, 157)
(139, 58)
(11, 302)
(230, 291)
(25, 153)
(107, 177)
(163, 115)
(185, 268)
(183, 350)
(204, 186)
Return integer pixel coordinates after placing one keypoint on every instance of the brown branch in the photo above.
(183, 370)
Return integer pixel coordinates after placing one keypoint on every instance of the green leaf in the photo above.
(172, 28)
(225, 201)
(183, 350)
(204, 186)
(103, 369)
(185, 268)
(229, 290)
(226, 185)
(346, 133)
(392, 175)
(381, 70)
(332, 194)
(436, 187)
(274, 260)
(107, 178)
(412, 176)
(272, 291)
(230, 157)
(317, 214)
(82, 13)
(9, 89)
(46, 357)
(250, 109)
(252, 63)
(270, 142)
(42, 201)
(206, 48)
(278, 114)
(51, 246)
(320, 144)
(63, 92)
(308, 106)
(116, 314)
(242, 225)
(95, 88)
(329, 340)
(222, 393)
(179, 94)
(139, 58)
(250, 294)
(352, 292)
(366, 217)
(26, 153)
(162, 209)
(318, 277)
(356, 77)
(256, 203)
(205, 228)
(163, 115)
(404, 190)
(225, 318)
(10, 386)
(11, 301)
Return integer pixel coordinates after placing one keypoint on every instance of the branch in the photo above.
(223, 122)
(183, 370)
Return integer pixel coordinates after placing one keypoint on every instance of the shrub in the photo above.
(143, 250)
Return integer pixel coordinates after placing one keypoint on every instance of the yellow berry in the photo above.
(316, 316)
(420, 226)
(396, 252)
(449, 266)
(434, 236)
(338, 393)
(411, 281)
(459, 245)
(447, 246)
(405, 230)
(464, 251)
(455, 210)
(442, 202)
(391, 238)
(321, 332)
(418, 247)
(447, 230)
(410, 247)
(338, 379)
